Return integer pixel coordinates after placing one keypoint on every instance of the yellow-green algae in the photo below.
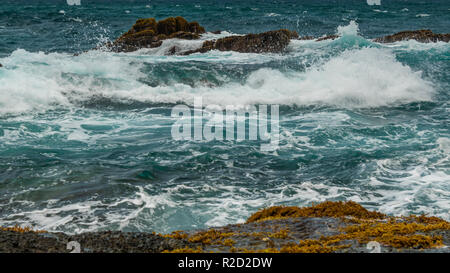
(361, 225)
(325, 209)
(20, 229)
(172, 27)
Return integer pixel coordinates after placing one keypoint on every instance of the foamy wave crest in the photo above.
(351, 29)
(367, 77)
(359, 77)
(39, 81)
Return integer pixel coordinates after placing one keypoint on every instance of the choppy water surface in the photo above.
(85, 141)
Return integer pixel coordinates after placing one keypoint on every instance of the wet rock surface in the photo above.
(323, 228)
(268, 42)
(97, 242)
(424, 36)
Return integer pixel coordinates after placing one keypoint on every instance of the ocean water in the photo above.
(85, 141)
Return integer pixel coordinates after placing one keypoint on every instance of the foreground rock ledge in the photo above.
(322, 228)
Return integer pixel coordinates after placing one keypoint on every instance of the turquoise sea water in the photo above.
(85, 141)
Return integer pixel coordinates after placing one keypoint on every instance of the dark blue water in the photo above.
(86, 144)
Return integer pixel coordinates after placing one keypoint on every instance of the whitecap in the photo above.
(351, 29)
(373, 2)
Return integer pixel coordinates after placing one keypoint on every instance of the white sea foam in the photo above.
(76, 20)
(367, 77)
(345, 80)
(351, 29)
(373, 2)
(444, 145)
(418, 185)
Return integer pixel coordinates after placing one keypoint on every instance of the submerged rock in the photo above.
(268, 42)
(147, 33)
(321, 228)
(424, 36)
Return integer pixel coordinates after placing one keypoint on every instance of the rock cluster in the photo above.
(423, 35)
(147, 33)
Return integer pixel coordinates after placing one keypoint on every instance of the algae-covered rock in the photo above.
(196, 28)
(147, 33)
(184, 35)
(144, 24)
(423, 35)
(321, 228)
(167, 26)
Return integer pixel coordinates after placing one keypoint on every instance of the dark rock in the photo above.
(424, 36)
(1, 65)
(328, 37)
(169, 26)
(216, 32)
(196, 28)
(95, 242)
(173, 50)
(147, 33)
(267, 42)
(306, 38)
(184, 35)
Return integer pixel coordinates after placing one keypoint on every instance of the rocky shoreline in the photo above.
(329, 227)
